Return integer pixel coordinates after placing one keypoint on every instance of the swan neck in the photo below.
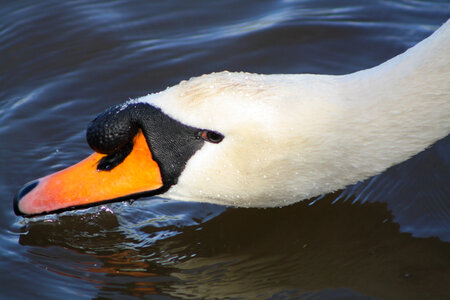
(419, 74)
(393, 111)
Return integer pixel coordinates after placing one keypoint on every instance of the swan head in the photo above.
(272, 137)
(225, 138)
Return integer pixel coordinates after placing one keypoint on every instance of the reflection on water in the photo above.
(250, 253)
(64, 62)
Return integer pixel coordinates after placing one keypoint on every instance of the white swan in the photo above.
(287, 137)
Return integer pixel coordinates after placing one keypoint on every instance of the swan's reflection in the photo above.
(345, 249)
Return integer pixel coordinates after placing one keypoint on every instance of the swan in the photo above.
(253, 140)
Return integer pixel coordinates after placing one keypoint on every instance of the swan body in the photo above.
(292, 137)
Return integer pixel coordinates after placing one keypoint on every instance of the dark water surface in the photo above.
(63, 62)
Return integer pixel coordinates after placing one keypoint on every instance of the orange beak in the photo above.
(83, 185)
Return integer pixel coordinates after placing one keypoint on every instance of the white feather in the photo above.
(292, 137)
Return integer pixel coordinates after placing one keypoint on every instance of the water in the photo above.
(63, 62)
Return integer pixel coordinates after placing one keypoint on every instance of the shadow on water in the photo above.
(339, 250)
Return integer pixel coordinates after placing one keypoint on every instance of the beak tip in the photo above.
(16, 206)
(22, 192)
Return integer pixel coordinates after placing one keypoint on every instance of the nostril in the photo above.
(23, 191)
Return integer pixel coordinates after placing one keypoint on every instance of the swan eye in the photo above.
(211, 136)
